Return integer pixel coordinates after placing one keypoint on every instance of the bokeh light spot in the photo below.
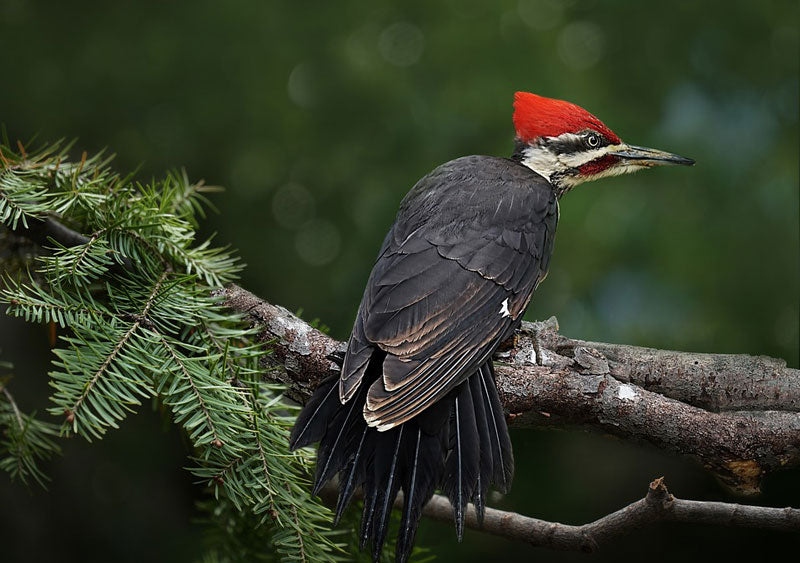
(255, 170)
(581, 45)
(401, 44)
(293, 205)
(302, 87)
(318, 242)
(541, 14)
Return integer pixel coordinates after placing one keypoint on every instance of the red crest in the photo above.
(537, 116)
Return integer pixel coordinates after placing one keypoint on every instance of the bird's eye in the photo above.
(592, 140)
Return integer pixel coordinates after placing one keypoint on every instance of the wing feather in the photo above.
(449, 283)
(436, 339)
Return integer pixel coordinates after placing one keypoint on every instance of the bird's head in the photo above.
(568, 145)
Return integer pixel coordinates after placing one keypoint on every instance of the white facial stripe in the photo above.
(546, 163)
(567, 137)
(578, 159)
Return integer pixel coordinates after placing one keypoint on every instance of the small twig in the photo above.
(40, 230)
(657, 506)
(14, 407)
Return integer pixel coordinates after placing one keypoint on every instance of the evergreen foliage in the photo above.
(24, 439)
(138, 322)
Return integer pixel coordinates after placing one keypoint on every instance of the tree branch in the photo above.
(658, 505)
(621, 390)
(40, 230)
(660, 397)
(715, 382)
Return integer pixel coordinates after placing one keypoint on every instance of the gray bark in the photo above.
(663, 398)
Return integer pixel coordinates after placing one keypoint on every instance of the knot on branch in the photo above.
(590, 361)
(658, 497)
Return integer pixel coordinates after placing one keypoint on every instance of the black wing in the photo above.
(455, 274)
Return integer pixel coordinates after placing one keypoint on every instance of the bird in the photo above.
(415, 406)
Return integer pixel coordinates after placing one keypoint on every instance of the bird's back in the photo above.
(416, 406)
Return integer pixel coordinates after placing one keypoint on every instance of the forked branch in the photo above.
(658, 505)
(738, 415)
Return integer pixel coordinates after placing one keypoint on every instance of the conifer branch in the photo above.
(25, 441)
(297, 528)
(14, 407)
(195, 391)
(71, 413)
(135, 298)
(140, 233)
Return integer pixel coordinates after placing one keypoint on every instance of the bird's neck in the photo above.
(547, 165)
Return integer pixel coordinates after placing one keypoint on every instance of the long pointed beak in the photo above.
(650, 157)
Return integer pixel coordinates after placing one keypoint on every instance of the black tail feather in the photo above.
(460, 444)
(498, 432)
(330, 457)
(367, 515)
(422, 473)
(487, 462)
(312, 423)
(351, 478)
(387, 471)
(463, 460)
(336, 450)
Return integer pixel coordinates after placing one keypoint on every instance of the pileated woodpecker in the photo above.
(415, 406)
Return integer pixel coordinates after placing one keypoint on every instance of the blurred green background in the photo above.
(318, 116)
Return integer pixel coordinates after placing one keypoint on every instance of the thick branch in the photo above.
(299, 352)
(578, 386)
(643, 394)
(659, 397)
(715, 382)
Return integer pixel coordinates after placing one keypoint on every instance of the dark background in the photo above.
(319, 116)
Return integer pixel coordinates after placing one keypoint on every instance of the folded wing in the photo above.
(439, 300)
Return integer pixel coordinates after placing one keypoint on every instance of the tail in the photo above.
(459, 444)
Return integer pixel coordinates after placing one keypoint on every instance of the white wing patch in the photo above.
(504, 312)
